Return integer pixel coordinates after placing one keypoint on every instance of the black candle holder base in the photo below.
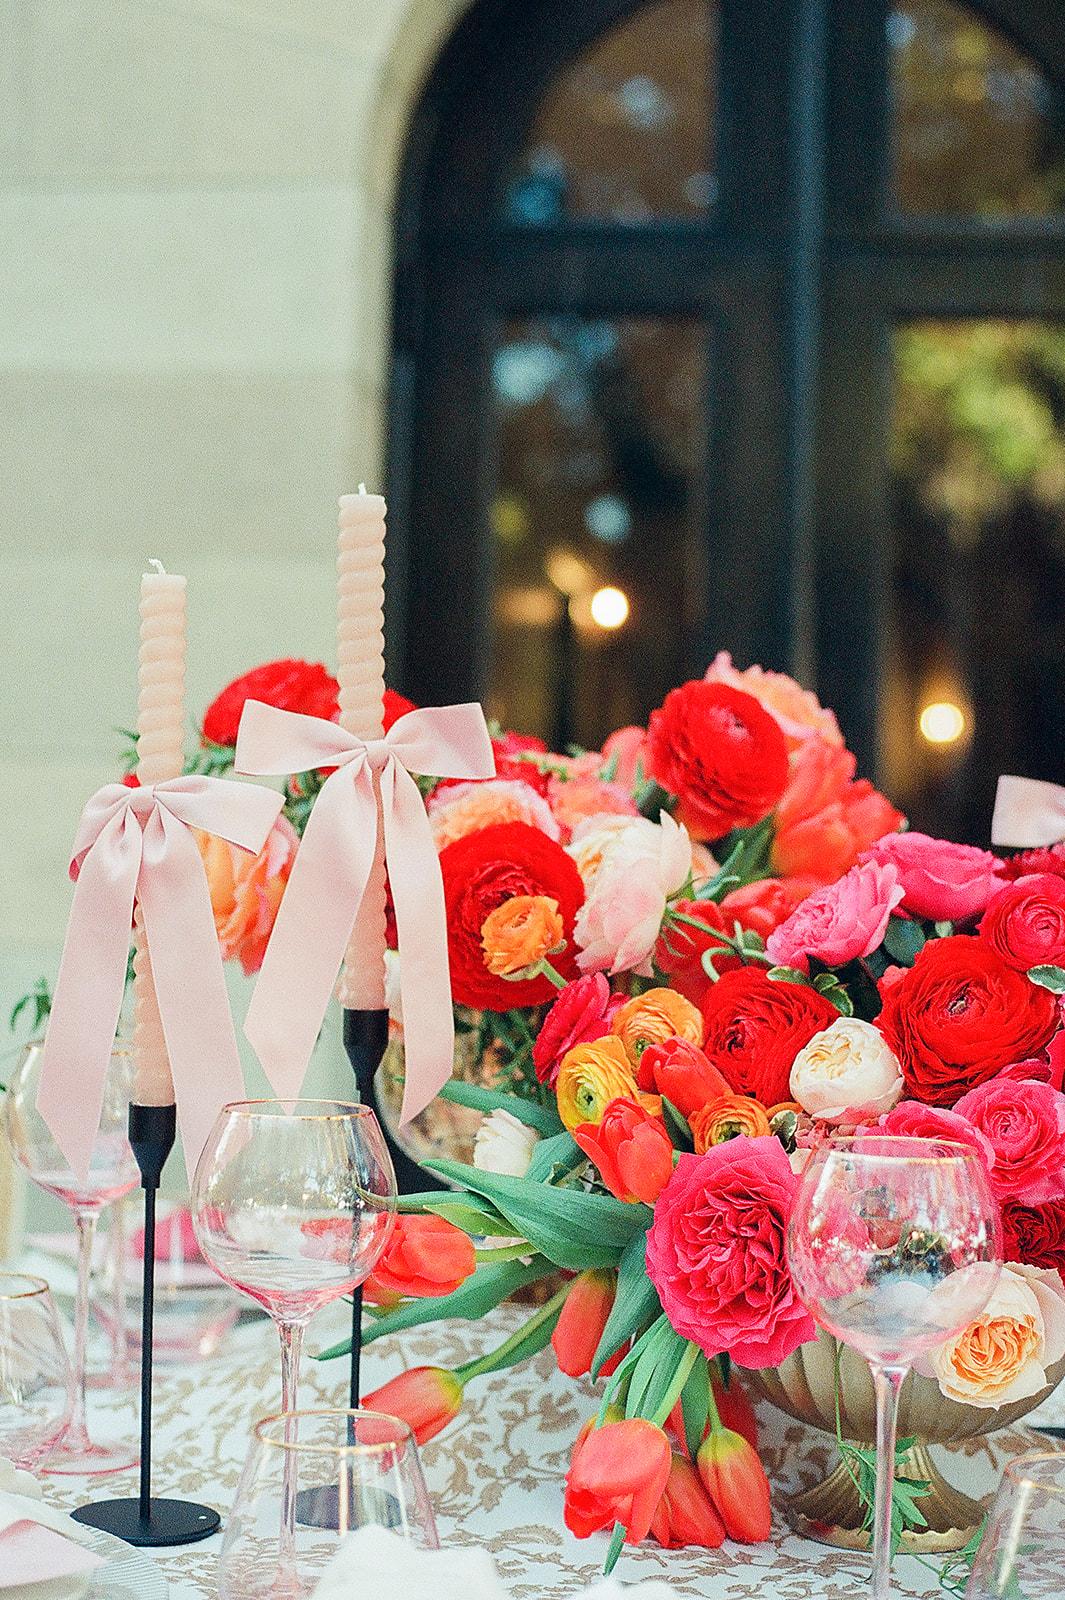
(167, 1522)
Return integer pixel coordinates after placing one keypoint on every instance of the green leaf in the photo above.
(573, 1229)
(904, 940)
(677, 1126)
(636, 1303)
(555, 1157)
(470, 1218)
(695, 1404)
(828, 984)
(1052, 978)
(787, 975)
(545, 1120)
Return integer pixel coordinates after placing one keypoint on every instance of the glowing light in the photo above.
(942, 722)
(609, 607)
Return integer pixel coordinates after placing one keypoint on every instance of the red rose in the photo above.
(290, 685)
(960, 1016)
(942, 881)
(715, 1253)
(1034, 1235)
(583, 1011)
(1025, 1125)
(765, 904)
(482, 870)
(1025, 922)
(755, 1027)
(720, 753)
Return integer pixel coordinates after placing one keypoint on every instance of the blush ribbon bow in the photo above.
(136, 845)
(331, 870)
(1028, 814)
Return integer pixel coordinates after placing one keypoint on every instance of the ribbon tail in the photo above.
(1029, 814)
(421, 920)
(88, 993)
(312, 928)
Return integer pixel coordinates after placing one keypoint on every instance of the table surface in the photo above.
(496, 1473)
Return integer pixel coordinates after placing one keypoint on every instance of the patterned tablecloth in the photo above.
(496, 1474)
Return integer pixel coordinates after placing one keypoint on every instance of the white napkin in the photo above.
(37, 1543)
(373, 1561)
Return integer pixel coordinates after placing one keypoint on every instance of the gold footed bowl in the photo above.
(831, 1512)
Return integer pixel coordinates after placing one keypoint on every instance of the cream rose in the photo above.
(503, 1144)
(1003, 1355)
(848, 1067)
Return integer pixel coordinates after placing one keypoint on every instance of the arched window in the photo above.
(754, 311)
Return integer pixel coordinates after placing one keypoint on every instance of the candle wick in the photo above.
(158, 565)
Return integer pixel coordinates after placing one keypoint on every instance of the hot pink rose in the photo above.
(1025, 922)
(1025, 1123)
(942, 881)
(912, 1119)
(583, 1011)
(715, 1252)
(840, 923)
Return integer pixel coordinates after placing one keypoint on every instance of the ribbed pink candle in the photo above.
(160, 755)
(361, 675)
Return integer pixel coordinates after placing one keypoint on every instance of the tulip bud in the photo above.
(582, 1320)
(735, 1409)
(426, 1398)
(736, 1482)
(685, 1514)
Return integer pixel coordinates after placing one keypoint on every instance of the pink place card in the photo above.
(30, 1553)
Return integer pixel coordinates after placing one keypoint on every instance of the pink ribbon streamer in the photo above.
(136, 844)
(1028, 814)
(331, 870)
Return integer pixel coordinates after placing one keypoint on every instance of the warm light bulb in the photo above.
(609, 607)
(942, 722)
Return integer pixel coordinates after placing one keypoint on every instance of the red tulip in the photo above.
(617, 1474)
(582, 1320)
(631, 1148)
(685, 1514)
(427, 1398)
(736, 1482)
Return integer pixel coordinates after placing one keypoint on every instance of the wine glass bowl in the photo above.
(1022, 1549)
(36, 1380)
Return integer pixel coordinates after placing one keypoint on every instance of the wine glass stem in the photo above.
(77, 1434)
(887, 1381)
(291, 1335)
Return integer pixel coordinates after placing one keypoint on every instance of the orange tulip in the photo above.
(582, 1320)
(735, 1409)
(683, 1073)
(631, 1148)
(726, 1117)
(685, 1514)
(426, 1398)
(617, 1474)
(735, 1480)
(425, 1256)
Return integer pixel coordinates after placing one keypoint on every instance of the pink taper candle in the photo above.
(160, 755)
(361, 675)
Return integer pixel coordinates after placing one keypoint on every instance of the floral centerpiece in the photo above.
(697, 953)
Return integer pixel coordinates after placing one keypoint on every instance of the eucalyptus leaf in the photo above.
(1052, 978)
(787, 975)
(904, 940)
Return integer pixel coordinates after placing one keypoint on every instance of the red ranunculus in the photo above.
(632, 1150)
(1034, 1235)
(755, 1027)
(960, 1016)
(1025, 1126)
(720, 753)
(425, 1255)
(941, 881)
(290, 685)
(481, 871)
(1025, 922)
(765, 904)
(715, 1253)
(393, 707)
(1028, 863)
(617, 1474)
(583, 1011)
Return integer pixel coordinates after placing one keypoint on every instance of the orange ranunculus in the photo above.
(590, 1076)
(246, 890)
(825, 816)
(727, 1117)
(426, 1398)
(685, 1514)
(654, 1016)
(425, 1256)
(520, 932)
(582, 1320)
(632, 1150)
(735, 1480)
(682, 1073)
(617, 1474)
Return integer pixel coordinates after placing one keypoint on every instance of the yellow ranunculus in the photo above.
(591, 1075)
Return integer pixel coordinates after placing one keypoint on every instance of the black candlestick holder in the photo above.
(149, 1521)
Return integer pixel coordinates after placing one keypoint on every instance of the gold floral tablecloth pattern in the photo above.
(496, 1475)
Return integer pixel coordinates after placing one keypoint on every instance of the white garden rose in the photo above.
(847, 1067)
(503, 1144)
(1003, 1355)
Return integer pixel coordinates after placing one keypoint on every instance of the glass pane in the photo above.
(978, 445)
(978, 130)
(625, 132)
(601, 439)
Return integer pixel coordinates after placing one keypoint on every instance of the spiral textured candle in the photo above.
(361, 675)
(160, 755)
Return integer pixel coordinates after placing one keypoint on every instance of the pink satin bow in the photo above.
(135, 844)
(1028, 814)
(330, 874)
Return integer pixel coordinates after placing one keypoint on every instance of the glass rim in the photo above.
(1016, 1471)
(340, 1110)
(337, 1413)
(37, 1285)
(853, 1141)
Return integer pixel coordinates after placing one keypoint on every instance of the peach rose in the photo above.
(652, 1018)
(246, 890)
(591, 1075)
(1003, 1355)
(463, 808)
(573, 800)
(798, 712)
(847, 1072)
(520, 932)
(826, 816)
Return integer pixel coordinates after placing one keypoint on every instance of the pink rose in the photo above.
(1025, 922)
(846, 920)
(624, 756)
(912, 1119)
(715, 1252)
(583, 1012)
(1025, 1123)
(618, 925)
(942, 881)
